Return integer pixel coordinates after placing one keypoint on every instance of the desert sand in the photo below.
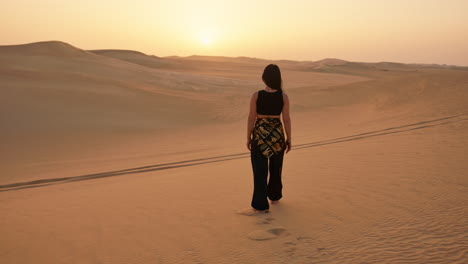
(115, 156)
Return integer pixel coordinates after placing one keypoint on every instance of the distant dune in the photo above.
(139, 58)
(45, 48)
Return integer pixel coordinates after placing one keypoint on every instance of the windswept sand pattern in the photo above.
(427, 240)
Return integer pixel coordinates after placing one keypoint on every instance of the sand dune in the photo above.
(45, 48)
(53, 94)
(140, 58)
(117, 156)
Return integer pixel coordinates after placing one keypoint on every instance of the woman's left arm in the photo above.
(251, 118)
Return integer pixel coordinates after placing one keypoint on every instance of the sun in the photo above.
(206, 40)
(206, 37)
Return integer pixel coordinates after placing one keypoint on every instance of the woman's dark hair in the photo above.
(272, 77)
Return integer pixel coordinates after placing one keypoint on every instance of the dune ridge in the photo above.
(45, 48)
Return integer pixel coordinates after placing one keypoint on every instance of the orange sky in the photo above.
(415, 31)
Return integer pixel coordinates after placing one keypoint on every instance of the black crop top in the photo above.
(269, 103)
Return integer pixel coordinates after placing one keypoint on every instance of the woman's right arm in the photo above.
(287, 121)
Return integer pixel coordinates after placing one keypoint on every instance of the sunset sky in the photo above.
(412, 31)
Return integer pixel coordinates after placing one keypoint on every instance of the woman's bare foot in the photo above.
(252, 211)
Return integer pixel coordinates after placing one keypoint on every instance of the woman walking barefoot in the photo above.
(266, 140)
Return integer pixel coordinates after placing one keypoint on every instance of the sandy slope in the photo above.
(146, 164)
(60, 103)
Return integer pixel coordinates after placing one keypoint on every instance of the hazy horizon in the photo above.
(428, 32)
(240, 56)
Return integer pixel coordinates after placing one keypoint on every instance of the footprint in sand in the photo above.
(251, 212)
(267, 234)
(265, 221)
(263, 234)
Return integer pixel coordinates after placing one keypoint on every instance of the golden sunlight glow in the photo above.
(416, 31)
(206, 37)
(206, 40)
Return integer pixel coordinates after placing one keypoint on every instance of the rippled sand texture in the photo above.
(115, 156)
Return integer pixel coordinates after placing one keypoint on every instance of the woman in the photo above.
(266, 140)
